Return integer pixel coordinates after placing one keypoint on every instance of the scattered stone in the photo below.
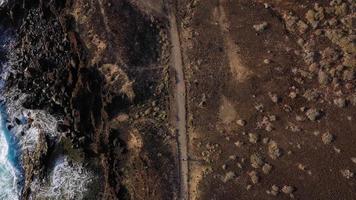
(256, 160)
(302, 109)
(301, 166)
(288, 189)
(316, 133)
(311, 95)
(266, 61)
(309, 58)
(339, 68)
(274, 97)
(259, 107)
(327, 138)
(238, 143)
(267, 168)
(239, 165)
(302, 26)
(248, 187)
(305, 74)
(310, 16)
(294, 128)
(314, 67)
(348, 59)
(272, 118)
(232, 157)
(323, 77)
(274, 190)
(353, 159)
(300, 118)
(290, 21)
(299, 146)
(265, 140)
(301, 42)
(329, 55)
(273, 150)
(352, 99)
(254, 177)
(260, 27)
(347, 173)
(335, 82)
(241, 122)
(265, 123)
(253, 138)
(318, 32)
(292, 95)
(313, 114)
(340, 102)
(341, 10)
(337, 150)
(203, 101)
(229, 176)
(348, 75)
(224, 166)
(269, 127)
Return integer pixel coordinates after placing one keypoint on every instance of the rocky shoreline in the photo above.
(74, 107)
(37, 88)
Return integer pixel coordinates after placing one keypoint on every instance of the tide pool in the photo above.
(10, 172)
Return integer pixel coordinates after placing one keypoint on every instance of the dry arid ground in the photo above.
(271, 98)
(185, 99)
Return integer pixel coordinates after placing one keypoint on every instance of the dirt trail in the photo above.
(180, 103)
(238, 70)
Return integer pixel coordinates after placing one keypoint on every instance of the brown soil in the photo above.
(263, 109)
(127, 42)
(229, 79)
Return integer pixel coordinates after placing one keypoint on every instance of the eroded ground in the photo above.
(271, 99)
(266, 100)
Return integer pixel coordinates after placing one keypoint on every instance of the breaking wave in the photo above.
(10, 167)
(67, 180)
(9, 173)
(3, 3)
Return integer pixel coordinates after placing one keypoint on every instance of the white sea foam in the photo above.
(8, 173)
(42, 123)
(66, 181)
(3, 3)
(3, 147)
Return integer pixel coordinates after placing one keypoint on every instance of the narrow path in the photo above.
(180, 103)
(238, 70)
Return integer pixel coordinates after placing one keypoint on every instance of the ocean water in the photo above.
(10, 170)
(9, 167)
(67, 179)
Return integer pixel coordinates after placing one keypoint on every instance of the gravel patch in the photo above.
(267, 168)
(327, 138)
(273, 150)
(288, 189)
(347, 173)
(260, 27)
(256, 160)
(313, 114)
